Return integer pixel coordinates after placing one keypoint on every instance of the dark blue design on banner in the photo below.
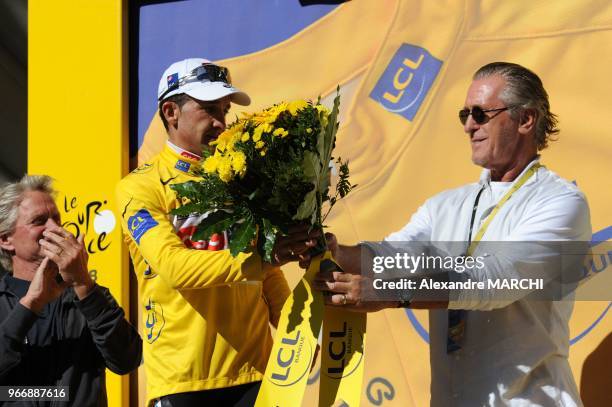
(403, 86)
(210, 29)
(378, 390)
(139, 223)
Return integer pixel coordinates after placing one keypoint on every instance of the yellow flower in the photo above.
(225, 140)
(238, 162)
(210, 164)
(225, 169)
(309, 130)
(257, 133)
(321, 108)
(245, 137)
(262, 152)
(280, 132)
(296, 105)
(259, 145)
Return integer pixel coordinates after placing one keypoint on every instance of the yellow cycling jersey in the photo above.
(206, 314)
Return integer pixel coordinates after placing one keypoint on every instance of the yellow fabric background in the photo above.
(399, 163)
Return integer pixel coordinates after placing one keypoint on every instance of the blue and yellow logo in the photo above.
(182, 166)
(403, 86)
(139, 223)
(155, 320)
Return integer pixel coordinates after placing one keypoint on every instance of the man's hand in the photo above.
(295, 246)
(345, 287)
(70, 255)
(346, 290)
(44, 287)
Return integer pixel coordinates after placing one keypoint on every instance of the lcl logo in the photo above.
(292, 360)
(337, 338)
(404, 84)
(344, 351)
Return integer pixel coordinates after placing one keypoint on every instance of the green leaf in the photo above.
(307, 208)
(242, 235)
(187, 189)
(185, 210)
(216, 222)
(331, 129)
(324, 179)
(311, 165)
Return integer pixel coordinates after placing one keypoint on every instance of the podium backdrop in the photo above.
(403, 66)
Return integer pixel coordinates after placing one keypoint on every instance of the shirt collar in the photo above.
(182, 160)
(485, 175)
(182, 152)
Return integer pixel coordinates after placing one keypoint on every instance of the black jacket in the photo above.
(87, 337)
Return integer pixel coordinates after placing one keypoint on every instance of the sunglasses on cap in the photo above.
(202, 73)
(478, 114)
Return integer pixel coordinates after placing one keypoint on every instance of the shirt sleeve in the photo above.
(276, 291)
(418, 229)
(145, 222)
(13, 330)
(115, 338)
(550, 245)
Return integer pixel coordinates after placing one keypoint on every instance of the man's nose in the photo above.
(220, 123)
(470, 125)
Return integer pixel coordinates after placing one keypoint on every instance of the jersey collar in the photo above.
(181, 159)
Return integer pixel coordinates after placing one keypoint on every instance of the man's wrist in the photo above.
(33, 304)
(82, 290)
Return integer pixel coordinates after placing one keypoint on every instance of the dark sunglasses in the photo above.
(202, 73)
(478, 114)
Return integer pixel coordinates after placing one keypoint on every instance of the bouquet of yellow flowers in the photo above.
(268, 171)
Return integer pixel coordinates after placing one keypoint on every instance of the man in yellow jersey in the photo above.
(488, 346)
(206, 314)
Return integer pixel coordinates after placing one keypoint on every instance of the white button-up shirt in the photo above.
(514, 352)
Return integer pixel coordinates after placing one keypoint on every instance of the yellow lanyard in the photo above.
(501, 202)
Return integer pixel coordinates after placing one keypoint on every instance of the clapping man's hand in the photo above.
(44, 287)
(70, 256)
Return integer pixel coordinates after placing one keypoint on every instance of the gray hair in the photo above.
(524, 90)
(11, 196)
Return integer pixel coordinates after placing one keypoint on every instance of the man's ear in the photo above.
(6, 243)
(527, 121)
(171, 112)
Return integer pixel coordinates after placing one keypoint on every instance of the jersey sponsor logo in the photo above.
(190, 155)
(140, 223)
(148, 273)
(155, 320)
(404, 84)
(182, 166)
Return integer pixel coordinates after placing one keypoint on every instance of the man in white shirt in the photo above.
(489, 348)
